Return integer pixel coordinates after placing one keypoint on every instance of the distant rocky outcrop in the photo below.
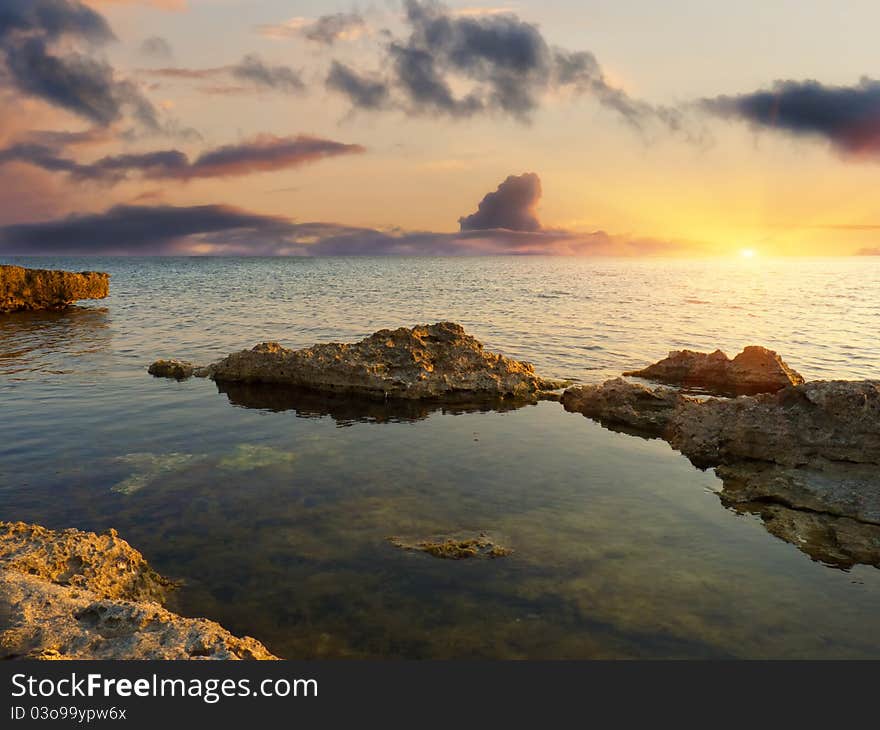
(439, 361)
(78, 595)
(29, 289)
(754, 370)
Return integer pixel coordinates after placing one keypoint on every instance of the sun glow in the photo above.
(748, 253)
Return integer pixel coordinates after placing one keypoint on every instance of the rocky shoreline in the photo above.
(802, 456)
(24, 289)
(78, 595)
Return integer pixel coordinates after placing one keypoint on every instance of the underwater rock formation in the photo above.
(29, 289)
(439, 361)
(455, 547)
(78, 595)
(754, 370)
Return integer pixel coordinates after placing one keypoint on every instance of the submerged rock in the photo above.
(29, 289)
(77, 595)
(439, 361)
(455, 547)
(250, 457)
(149, 468)
(754, 370)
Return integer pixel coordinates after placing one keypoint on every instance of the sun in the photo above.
(748, 253)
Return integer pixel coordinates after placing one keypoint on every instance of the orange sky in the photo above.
(715, 182)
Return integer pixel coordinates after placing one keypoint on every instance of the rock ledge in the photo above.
(30, 289)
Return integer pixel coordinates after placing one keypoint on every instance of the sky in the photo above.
(298, 127)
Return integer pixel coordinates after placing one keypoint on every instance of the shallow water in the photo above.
(275, 509)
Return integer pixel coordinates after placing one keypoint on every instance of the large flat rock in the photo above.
(29, 289)
(439, 361)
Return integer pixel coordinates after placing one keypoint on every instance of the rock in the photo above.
(177, 369)
(77, 595)
(439, 361)
(754, 370)
(455, 547)
(149, 468)
(103, 564)
(622, 404)
(813, 423)
(28, 289)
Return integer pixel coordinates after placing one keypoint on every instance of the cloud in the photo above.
(868, 252)
(365, 92)
(846, 116)
(251, 70)
(504, 62)
(217, 229)
(35, 40)
(161, 4)
(259, 154)
(512, 206)
(156, 47)
(281, 78)
(327, 29)
(129, 229)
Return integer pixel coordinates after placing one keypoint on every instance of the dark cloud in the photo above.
(251, 70)
(506, 62)
(35, 39)
(330, 28)
(281, 78)
(156, 47)
(327, 30)
(365, 92)
(513, 206)
(261, 154)
(215, 229)
(128, 229)
(846, 116)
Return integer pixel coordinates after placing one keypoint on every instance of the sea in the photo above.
(274, 510)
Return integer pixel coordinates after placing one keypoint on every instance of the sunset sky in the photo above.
(624, 127)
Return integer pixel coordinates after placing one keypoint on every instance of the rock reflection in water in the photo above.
(45, 341)
(347, 409)
(832, 515)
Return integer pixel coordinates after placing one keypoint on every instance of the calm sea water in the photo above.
(275, 511)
